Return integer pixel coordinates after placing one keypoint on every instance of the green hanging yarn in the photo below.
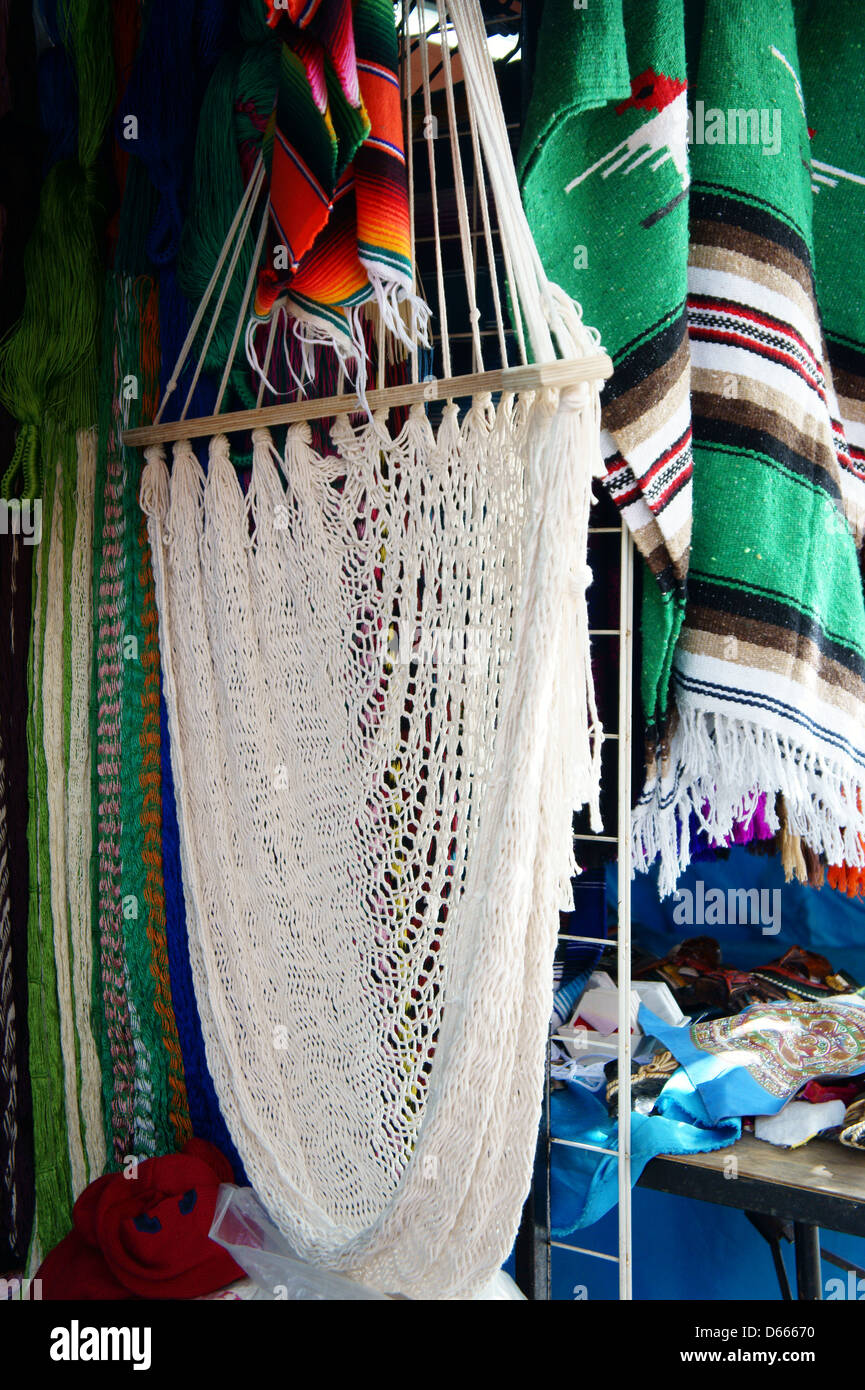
(90, 45)
(252, 21)
(152, 1129)
(110, 1008)
(137, 213)
(49, 363)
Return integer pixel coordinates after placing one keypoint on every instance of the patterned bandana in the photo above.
(754, 1062)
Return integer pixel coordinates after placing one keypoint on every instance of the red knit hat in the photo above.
(146, 1235)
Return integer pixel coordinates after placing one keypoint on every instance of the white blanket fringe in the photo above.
(712, 757)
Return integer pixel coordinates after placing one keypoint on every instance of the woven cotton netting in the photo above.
(374, 666)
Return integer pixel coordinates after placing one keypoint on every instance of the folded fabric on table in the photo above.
(755, 1061)
(798, 1121)
(145, 1234)
(817, 1093)
(583, 1184)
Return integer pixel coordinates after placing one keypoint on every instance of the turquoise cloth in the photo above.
(584, 1185)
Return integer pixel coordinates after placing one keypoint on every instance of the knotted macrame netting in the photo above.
(375, 664)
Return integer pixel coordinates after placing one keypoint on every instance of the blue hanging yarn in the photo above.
(49, 14)
(204, 1111)
(175, 316)
(159, 95)
(180, 45)
(58, 105)
(214, 27)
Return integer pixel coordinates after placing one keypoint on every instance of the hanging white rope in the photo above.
(430, 129)
(376, 671)
(239, 227)
(469, 269)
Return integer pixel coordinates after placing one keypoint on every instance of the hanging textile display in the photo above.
(66, 1125)
(607, 128)
(132, 980)
(18, 206)
(337, 197)
(205, 1117)
(16, 1116)
(181, 45)
(51, 1156)
(231, 141)
(159, 84)
(837, 134)
(49, 386)
(754, 642)
(375, 666)
(109, 986)
(48, 365)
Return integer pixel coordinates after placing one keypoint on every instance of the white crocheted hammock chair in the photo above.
(382, 721)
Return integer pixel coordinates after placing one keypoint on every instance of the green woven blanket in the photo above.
(754, 643)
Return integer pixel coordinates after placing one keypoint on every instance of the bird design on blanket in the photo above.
(664, 136)
(829, 174)
(823, 174)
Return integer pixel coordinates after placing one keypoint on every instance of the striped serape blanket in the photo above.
(338, 190)
(754, 638)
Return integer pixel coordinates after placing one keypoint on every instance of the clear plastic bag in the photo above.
(242, 1225)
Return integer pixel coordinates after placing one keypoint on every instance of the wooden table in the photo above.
(821, 1184)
